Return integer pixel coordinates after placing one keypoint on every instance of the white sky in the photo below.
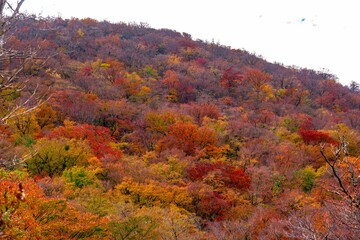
(316, 34)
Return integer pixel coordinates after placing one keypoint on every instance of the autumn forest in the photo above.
(121, 131)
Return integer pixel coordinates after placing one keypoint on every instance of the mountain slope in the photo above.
(150, 134)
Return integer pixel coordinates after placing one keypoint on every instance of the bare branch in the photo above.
(335, 172)
(10, 82)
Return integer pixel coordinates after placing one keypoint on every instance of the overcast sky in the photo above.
(315, 34)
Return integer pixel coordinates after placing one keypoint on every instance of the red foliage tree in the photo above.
(212, 206)
(232, 177)
(200, 170)
(315, 137)
(231, 79)
(186, 90)
(97, 136)
(79, 106)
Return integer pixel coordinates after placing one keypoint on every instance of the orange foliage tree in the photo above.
(188, 137)
(26, 213)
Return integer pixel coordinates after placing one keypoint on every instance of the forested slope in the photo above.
(148, 134)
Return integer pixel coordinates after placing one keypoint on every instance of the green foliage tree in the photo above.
(308, 177)
(56, 155)
(80, 177)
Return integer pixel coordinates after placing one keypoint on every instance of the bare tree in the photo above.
(11, 66)
(345, 172)
(310, 223)
(354, 87)
(16, 96)
(9, 12)
(345, 206)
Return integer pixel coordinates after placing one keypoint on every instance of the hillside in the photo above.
(141, 133)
